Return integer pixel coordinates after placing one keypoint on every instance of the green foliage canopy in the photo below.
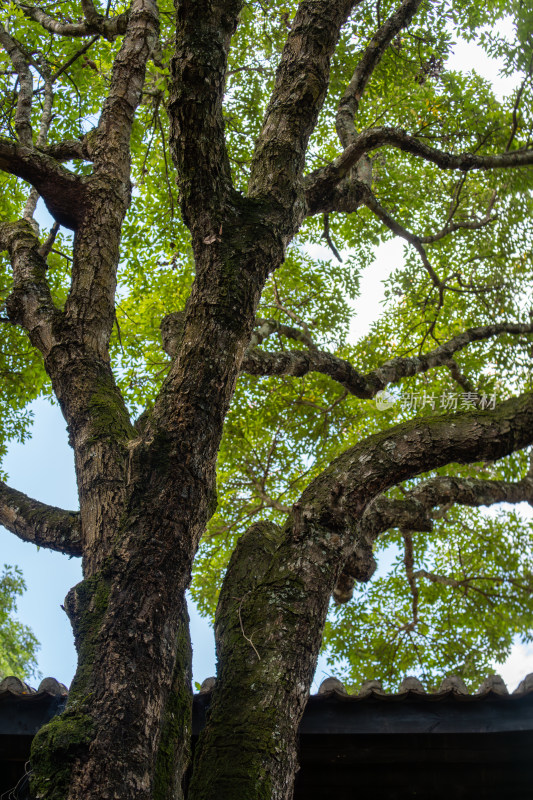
(18, 645)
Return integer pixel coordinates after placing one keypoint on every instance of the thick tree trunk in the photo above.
(145, 499)
(274, 601)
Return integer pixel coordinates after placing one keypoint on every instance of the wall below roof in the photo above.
(449, 745)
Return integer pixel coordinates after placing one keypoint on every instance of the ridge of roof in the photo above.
(410, 686)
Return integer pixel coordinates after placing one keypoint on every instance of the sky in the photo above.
(44, 469)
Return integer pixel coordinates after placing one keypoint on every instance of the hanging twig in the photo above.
(327, 237)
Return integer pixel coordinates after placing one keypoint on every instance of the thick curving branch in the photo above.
(301, 362)
(295, 571)
(349, 102)
(40, 524)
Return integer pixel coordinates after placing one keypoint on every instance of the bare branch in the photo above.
(300, 362)
(470, 225)
(373, 54)
(327, 236)
(73, 58)
(382, 214)
(40, 524)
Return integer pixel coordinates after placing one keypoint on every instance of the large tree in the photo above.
(284, 125)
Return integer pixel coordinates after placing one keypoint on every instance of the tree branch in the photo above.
(323, 182)
(416, 513)
(296, 568)
(108, 28)
(30, 303)
(301, 362)
(299, 91)
(373, 54)
(64, 193)
(111, 148)
(40, 524)
(203, 34)
(269, 326)
(25, 94)
(44, 126)
(68, 150)
(90, 306)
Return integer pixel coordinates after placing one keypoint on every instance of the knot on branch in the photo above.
(171, 327)
(358, 568)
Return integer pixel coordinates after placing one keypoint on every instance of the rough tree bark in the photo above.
(147, 492)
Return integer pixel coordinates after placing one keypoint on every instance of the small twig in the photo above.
(60, 253)
(327, 237)
(242, 626)
(118, 334)
(74, 58)
(46, 248)
(517, 104)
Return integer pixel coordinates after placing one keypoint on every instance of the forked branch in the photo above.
(301, 84)
(324, 181)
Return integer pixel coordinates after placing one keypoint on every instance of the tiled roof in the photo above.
(14, 686)
(493, 685)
